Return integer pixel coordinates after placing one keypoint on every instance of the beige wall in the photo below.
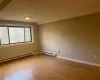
(9, 51)
(76, 38)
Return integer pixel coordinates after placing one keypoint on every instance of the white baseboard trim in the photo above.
(79, 61)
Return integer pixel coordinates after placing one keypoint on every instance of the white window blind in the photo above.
(27, 34)
(16, 34)
(4, 35)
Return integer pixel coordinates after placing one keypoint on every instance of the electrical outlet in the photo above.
(94, 56)
(58, 51)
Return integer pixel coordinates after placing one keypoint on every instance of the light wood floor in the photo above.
(41, 67)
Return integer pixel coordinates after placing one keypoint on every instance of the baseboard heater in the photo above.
(50, 54)
(16, 57)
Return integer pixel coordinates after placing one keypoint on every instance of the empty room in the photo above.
(49, 39)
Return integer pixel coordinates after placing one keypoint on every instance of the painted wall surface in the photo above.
(76, 38)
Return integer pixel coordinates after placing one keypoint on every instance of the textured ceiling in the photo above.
(44, 11)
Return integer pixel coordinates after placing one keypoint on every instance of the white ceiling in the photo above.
(44, 11)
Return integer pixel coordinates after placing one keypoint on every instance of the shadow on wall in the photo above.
(4, 3)
(76, 38)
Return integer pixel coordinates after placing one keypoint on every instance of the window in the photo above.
(16, 34)
(27, 34)
(12, 35)
(4, 35)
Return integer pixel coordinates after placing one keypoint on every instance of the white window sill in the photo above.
(8, 45)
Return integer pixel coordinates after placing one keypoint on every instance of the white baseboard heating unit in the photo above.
(50, 54)
(16, 57)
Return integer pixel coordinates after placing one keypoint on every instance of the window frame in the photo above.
(24, 34)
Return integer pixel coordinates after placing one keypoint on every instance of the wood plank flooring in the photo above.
(42, 67)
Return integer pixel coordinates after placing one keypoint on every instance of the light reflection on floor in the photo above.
(20, 75)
